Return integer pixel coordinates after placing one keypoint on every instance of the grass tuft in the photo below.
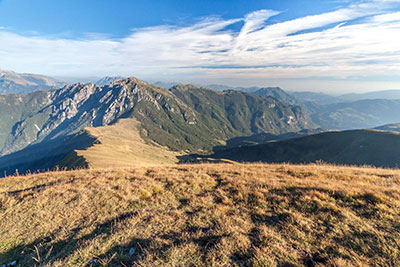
(203, 215)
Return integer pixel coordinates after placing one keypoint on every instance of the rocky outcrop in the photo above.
(183, 118)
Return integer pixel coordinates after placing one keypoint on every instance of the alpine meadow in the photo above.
(200, 133)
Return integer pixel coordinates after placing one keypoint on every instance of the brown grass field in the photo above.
(203, 215)
(120, 145)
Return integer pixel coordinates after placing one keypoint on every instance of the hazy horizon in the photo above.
(291, 85)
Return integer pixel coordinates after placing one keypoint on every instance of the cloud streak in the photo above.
(360, 40)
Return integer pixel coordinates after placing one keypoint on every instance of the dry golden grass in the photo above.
(203, 215)
(122, 146)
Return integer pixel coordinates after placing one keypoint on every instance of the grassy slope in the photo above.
(359, 114)
(15, 107)
(239, 114)
(181, 122)
(120, 145)
(355, 147)
(232, 214)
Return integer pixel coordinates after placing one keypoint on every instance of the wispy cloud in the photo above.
(360, 40)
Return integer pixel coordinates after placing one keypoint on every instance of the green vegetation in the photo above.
(278, 93)
(356, 115)
(240, 114)
(203, 215)
(185, 118)
(14, 108)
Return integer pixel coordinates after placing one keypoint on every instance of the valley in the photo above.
(129, 122)
(184, 119)
(199, 133)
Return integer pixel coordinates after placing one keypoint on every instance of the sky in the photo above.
(333, 46)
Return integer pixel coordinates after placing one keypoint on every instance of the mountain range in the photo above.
(359, 114)
(119, 121)
(394, 127)
(22, 83)
(50, 124)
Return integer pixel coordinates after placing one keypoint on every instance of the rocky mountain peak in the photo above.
(183, 118)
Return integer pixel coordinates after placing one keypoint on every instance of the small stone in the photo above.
(132, 251)
(93, 262)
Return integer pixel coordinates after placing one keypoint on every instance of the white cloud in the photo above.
(387, 17)
(292, 49)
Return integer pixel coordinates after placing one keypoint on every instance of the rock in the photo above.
(132, 251)
(93, 262)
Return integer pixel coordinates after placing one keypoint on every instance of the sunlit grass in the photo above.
(203, 215)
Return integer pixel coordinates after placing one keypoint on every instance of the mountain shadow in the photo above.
(354, 147)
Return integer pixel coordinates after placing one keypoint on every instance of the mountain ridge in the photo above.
(184, 118)
(352, 147)
(22, 83)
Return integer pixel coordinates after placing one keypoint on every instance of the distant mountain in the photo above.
(108, 79)
(277, 93)
(355, 147)
(320, 98)
(394, 127)
(220, 87)
(22, 83)
(386, 94)
(165, 85)
(49, 125)
(357, 115)
(351, 111)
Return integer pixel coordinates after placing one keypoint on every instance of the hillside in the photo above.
(203, 215)
(384, 94)
(394, 127)
(278, 93)
(356, 115)
(120, 145)
(320, 98)
(22, 83)
(350, 111)
(13, 108)
(354, 147)
(236, 113)
(183, 119)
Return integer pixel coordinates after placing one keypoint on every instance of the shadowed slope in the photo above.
(356, 147)
(395, 127)
(185, 118)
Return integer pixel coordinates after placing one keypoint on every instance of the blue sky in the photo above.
(332, 45)
(117, 18)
